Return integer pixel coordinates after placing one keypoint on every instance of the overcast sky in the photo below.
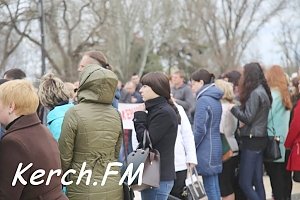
(265, 46)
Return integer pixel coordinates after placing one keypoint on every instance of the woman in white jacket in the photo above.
(185, 152)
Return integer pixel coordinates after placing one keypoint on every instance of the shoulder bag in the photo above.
(151, 159)
(272, 151)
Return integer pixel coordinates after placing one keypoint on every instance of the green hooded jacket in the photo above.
(91, 133)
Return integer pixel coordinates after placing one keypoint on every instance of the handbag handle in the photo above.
(191, 171)
(145, 137)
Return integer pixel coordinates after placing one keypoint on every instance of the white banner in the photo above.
(127, 112)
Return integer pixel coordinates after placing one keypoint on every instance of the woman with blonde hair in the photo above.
(279, 117)
(26, 142)
(228, 126)
(72, 89)
(54, 95)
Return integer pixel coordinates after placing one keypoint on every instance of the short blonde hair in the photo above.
(227, 88)
(52, 91)
(22, 94)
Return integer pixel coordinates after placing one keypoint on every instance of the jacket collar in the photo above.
(203, 89)
(11, 123)
(153, 102)
(23, 122)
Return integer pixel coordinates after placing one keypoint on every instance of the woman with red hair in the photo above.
(278, 119)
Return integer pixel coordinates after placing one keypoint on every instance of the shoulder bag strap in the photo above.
(145, 138)
(272, 121)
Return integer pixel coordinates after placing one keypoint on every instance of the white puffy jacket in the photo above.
(185, 151)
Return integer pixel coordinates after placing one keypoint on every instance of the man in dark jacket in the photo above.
(182, 93)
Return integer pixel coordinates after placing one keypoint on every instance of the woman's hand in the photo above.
(190, 165)
(140, 124)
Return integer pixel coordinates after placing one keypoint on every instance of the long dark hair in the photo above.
(252, 77)
(159, 83)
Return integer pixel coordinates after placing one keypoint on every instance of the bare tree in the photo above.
(10, 40)
(289, 38)
(123, 20)
(290, 45)
(111, 26)
(230, 25)
(190, 34)
(184, 46)
(135, 23)
(67, 33)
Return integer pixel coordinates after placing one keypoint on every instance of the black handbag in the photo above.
(151, 159)
(272, 151)
(128, 193)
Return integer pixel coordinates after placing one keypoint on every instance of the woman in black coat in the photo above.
(161, 121)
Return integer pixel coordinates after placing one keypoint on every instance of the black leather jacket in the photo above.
(255, 114)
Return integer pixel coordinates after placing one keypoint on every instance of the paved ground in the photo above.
(295, 192)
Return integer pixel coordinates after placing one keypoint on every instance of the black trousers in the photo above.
(179, 184)
(281, 180)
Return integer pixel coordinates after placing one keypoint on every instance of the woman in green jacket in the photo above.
(279, 117)
(91, 134)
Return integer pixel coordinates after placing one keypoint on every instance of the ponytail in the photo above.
(170, 101)
(212, 78)
(204, 75)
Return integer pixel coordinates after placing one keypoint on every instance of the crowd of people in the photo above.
(63, 126)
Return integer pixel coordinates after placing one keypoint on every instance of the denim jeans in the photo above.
(211, 186)
(251, 174)
(160, 193)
